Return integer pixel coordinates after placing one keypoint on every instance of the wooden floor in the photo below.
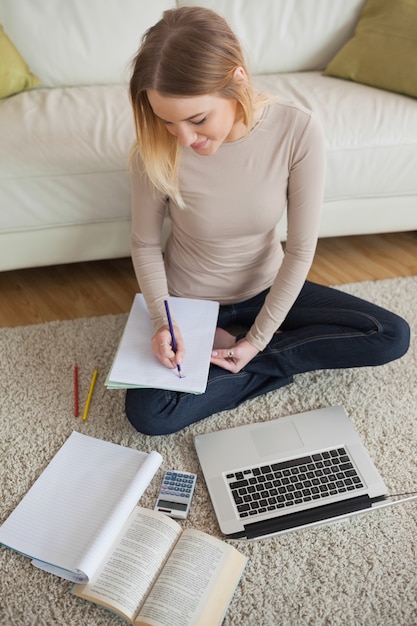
(36, 295)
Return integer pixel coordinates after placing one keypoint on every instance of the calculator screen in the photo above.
(179, 506)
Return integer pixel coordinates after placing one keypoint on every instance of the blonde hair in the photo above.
(191, 51)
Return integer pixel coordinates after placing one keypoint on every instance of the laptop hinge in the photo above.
(309, 516)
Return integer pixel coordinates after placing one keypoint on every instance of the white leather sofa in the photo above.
(64, 187)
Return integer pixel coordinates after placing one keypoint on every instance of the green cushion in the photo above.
(383, 50)
(15, 75)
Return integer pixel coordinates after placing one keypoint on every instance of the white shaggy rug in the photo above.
(359, 572)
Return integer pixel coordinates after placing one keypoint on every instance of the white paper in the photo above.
(135, 365)
(78, 505)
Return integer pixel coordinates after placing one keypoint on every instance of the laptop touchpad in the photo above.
(276, 437)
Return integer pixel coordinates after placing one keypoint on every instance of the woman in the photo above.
(226, 163)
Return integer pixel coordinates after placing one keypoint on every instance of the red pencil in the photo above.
(76, 390)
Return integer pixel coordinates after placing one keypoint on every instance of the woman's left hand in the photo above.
(235, 357)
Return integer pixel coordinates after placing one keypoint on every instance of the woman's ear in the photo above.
(239, 75)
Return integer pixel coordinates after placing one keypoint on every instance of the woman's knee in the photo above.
(397, 332)
(143, 410)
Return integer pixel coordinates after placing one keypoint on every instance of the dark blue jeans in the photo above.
(325, 329)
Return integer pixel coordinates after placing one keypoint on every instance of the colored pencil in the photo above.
(76, 411)
(90, 394)
(171, 330)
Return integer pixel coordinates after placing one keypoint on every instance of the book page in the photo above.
(131, 566)
(78, 504)
(196, 585)
(135, 365)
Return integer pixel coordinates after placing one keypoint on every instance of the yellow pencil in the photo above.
(90, 393)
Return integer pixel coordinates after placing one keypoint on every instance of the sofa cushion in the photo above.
(79, 42)
(64, 157)
(383, 51)
(371, 134)
(301, 35)
(15, 75)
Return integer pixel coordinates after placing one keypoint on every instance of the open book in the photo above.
(135, 365)
(78, 505)
(156, 574)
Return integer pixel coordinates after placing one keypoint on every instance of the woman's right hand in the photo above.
(162, 347)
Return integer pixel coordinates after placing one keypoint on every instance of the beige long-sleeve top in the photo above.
(224, 245)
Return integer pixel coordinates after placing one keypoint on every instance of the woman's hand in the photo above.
(162, 347)
(231, 356)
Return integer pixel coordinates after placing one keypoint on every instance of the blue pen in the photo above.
(171, 330)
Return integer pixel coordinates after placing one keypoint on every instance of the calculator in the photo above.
(176, 492)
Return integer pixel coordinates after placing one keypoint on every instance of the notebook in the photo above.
(78, 505)
(135, 365)
(290, 473)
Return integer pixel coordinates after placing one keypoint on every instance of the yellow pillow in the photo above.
(383, 50)
(15, 75)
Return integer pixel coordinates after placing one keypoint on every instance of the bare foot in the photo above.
(223, 339)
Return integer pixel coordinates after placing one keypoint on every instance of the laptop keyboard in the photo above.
(284, 484)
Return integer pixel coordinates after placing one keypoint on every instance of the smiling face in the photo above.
(202, 123)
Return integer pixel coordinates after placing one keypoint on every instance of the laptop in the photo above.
(290, 473)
